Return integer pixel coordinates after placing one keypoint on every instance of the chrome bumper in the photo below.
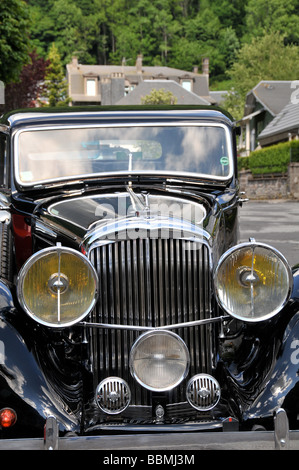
(176, 444)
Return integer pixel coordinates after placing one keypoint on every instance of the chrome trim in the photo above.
(253, 243)
(203, 392)
(113, 395)
(4, 128)
(281, 430)
(27, 265)
(4, 202)
(127, 172)
(127, 306)
(162, 437)
(51, 433)
(139, 227)
(174, 326)
(44, 231)
(5, 215)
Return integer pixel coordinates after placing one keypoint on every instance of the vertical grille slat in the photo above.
(150, 282)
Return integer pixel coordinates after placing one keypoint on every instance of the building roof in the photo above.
(219, 96)
(139, 74)
(272, 95)
(73, 114)
(287, 121)
(134, 76)
(144, 88)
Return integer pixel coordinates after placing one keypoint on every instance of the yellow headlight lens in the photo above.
(57, 286)
(253, 281)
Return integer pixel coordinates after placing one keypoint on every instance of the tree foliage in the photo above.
(55, 82)
(14, 41)
(30, 87)
(176, 33)
(159, 97)
(264, 58)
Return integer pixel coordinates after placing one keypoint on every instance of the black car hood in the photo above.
(80, 220)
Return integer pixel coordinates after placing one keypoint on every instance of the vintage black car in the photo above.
(127, 306)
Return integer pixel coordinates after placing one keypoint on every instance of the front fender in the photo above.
(23, 386)
(295, 291)
(281, 388)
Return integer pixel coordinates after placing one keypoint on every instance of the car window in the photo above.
(54, 154)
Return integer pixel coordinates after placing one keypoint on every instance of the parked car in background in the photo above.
(127, 305)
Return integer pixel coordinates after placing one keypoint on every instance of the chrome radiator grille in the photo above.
(150, 282)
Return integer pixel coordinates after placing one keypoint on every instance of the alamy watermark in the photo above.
(295, 353)
(154, 220)
(295, 93)
(2, 353)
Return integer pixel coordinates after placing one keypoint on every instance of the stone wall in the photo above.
(271, 186)
(294, 180)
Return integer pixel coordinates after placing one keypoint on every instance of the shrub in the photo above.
(294, 151)
(273, 159)
(243, 163)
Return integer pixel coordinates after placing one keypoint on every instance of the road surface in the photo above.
(274, 222)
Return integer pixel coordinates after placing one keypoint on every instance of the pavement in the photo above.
(274, 222)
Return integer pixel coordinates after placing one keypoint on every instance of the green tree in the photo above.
(272, 15)
(14, 39)
(42, 31)
(148, 27)
(159, 97)
(204, 36)
(75, 27)
(56, 85)
(68, 20)
(265, 58)
(30, 87)
(177, 33)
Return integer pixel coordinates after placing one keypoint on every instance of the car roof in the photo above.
(75, 115)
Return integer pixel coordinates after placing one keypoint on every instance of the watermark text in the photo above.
(295, 93)
(2, 353)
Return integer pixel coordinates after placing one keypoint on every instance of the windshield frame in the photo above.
(177, 175)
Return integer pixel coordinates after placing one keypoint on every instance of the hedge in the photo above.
(273, 159)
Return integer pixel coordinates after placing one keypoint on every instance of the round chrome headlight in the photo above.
(253, 281)
(57, 286)
(159, 360)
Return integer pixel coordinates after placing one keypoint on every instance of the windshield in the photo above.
(60, 154)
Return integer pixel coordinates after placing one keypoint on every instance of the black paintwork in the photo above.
(46, 371)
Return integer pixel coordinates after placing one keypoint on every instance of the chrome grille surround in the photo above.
(203, 392)
(148, 282)
(113, 395)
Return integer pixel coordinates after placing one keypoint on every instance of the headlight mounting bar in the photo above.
(151, 328)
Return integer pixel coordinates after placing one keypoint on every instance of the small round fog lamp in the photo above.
(159, 360)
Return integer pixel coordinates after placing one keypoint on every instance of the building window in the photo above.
(91, 89)
(187, 85)
(128, 89)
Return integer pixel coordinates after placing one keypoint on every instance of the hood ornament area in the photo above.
(140, 207)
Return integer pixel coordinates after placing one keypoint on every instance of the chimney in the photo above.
(75, 62)
(205, 66)
(139, 63)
